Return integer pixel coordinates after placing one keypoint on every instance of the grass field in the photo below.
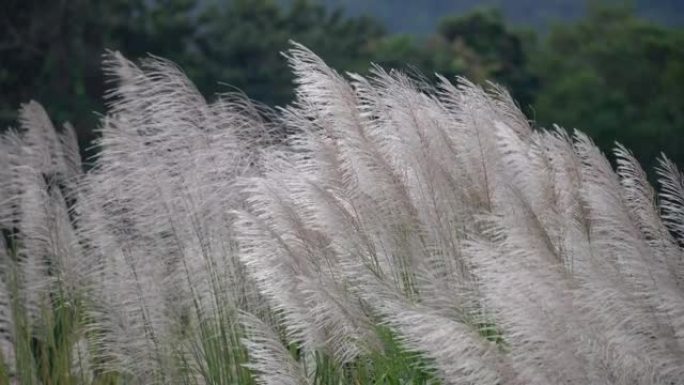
(378, 231)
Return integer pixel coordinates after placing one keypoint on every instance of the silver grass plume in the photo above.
(500, 253)
(41, 261)
(7, 354)
(48, 251)
(156, 214)
(270, 360)
(442, 209)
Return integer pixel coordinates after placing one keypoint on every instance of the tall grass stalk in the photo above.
(378, 230)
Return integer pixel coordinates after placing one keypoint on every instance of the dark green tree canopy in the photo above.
(617, 77)
(613, 74)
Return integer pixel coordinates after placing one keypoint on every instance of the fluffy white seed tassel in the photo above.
(272, 363)
(6, 316)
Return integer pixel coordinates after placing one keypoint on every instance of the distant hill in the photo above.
(421, 16)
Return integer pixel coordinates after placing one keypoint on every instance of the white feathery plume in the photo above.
(371, 203)
(291, 258)
(666, 255)
(324, 96)
(527, 169)
(43, 220)
(42, 142)
(81, 366)
(528, 299)
(672, 197)
(6, 316)
(162, 192)
(671, 203)
(65, 255)
(36, 240)
(35, 214)
(437, 211)
(72, 156)
(459, 354)
(48, 249)
(272, 363)
(620, 291)
(455, 349)
(564, 172)
(296, 272)
(471, 111)
(519, 271)
(126, 318)
(12, 156)
(526, 261)
(412, 133)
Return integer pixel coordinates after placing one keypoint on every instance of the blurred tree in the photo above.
(240, 45)
(51, 51)
(612, 74)
(478, 45)
(482, 47)
(616, 77)
(420, 17)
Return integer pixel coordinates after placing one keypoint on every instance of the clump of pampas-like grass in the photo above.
(401, 232)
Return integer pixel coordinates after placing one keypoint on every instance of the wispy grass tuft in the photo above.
(400, 232)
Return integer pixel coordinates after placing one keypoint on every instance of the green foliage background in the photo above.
(612, 73)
